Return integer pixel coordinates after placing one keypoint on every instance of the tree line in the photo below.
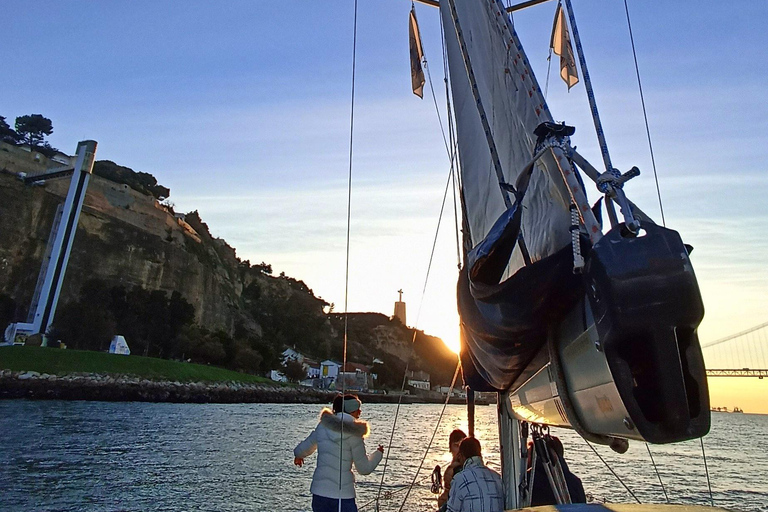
(154, 323)
(29, 129)
(33, 128)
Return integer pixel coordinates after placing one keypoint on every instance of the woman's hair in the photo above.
(338, 402)
(456, 436)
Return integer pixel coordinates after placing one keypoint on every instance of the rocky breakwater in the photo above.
(126, 388)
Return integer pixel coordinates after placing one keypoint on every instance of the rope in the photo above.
(391, 493)
(657, 472)
(612, 471)
(413, 340)
(549, 58)
(426, 280)
(645, 114)
(349, 223)
(452, 143)
(434, 433)
(706, 470)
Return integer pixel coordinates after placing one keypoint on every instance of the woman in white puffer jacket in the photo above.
(336, 453)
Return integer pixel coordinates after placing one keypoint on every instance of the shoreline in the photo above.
(124, 388)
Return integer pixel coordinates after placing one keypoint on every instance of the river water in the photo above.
(99, 456)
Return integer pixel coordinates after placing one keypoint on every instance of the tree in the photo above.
(294, 370)
(7, 134)
(33, 128)
(7, 311)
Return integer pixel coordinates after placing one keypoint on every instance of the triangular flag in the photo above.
(417, 74)
(561, 45)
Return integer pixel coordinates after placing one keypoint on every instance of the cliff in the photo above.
(127, 238)
(123, 237)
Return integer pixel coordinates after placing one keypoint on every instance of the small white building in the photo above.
(313, 368)
(329, 369)
(290, 353)
(419, 380)
(277, 376)
(119, 346)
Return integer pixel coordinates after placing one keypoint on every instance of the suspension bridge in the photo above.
(742, 354)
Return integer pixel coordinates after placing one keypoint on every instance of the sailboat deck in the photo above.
(622, 507)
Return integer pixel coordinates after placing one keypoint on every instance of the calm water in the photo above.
(72, 456)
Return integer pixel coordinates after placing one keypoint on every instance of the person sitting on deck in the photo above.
(541, 493)
(333, 480)
(454, 440)
(476, 488)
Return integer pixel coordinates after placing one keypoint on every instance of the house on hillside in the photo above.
(357, 377)
(458, 392)
(418, 379)
(329, 369)
(313, 368)
(290, 353)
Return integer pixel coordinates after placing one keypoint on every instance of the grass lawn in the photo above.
(60, 362)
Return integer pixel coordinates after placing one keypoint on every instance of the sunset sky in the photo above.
(243, 110)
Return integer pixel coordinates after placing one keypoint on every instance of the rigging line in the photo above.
(413, 339)
(434, 433)
(392, 493)
(706, 470)
(549, 57)
(437, 110)
(349, 223)
(657, 472)
(612, 471)
(645, 114)
(452, 142)
(394, 425)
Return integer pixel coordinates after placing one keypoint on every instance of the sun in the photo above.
(451, 339)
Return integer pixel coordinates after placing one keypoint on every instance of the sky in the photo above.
(243, 109)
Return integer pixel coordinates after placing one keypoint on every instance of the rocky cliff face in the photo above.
(127, 238)
(123, 237)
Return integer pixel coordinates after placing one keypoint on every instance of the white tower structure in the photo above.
(400, 308)
(46, 297)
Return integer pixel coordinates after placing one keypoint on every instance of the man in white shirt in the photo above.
(476, 488)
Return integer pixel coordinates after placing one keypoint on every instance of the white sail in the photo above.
(514, 107)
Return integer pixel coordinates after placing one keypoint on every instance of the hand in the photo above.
(381, 448)
(298, 461)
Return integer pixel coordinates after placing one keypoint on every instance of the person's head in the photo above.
(556, 446)
(454, 440)
(469, 447)
(349, 404)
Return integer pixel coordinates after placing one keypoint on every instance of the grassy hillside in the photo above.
(61, 362)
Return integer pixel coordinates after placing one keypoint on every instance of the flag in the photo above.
(561, 45)
(417, 74)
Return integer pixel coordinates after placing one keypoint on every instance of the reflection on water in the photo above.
(68, 456)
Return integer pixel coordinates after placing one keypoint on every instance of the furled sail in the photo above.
(611, 351)
(498, 105)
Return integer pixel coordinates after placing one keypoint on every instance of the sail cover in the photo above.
(498, 105)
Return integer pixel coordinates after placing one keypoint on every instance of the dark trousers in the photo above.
(323, 504)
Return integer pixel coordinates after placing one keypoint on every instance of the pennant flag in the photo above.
(417, 74)
(561, 45)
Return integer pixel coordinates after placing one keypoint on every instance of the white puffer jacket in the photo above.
(326, 439)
